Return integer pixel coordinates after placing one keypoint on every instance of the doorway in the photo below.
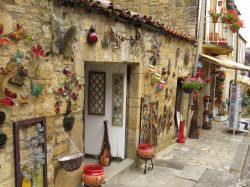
(105, 99)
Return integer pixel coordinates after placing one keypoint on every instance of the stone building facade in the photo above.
(171, 52)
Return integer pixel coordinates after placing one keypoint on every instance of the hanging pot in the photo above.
(188, 90)
(69, 118)
(2, 117)
(155, 78)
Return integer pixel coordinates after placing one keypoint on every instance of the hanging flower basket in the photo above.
(187, 90)
(71, 162)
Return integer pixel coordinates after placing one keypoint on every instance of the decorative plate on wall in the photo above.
(117, 99)
(97, 89)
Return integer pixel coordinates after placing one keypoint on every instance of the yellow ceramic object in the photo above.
(26, 183)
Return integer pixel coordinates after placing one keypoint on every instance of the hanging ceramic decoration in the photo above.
(2, 117)
(9, 67)
(164, 71)
(9, 96)
(92, 36)
(105, 40)
(22, 72)
(155, 78)
(62, 44)
(150, 69)
(17, 81)
(18, 56)
(18, 34)
(69, 118)
(36, 89)
(160, 86)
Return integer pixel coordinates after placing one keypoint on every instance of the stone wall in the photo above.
(35, 17)
(174, 13)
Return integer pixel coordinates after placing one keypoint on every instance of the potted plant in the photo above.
(215, 16)
(193, 84)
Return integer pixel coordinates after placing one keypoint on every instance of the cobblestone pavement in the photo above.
(214, 149)
(202, 162)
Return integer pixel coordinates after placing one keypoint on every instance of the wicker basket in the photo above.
(71, 162)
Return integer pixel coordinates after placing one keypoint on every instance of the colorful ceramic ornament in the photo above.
(18, 56)
(92, 36)
(105, 41)
(18, 34)
(150, 69)
(9, 96)
(24, 99)
(160, 86)
(22, 72)
(4, 42)
(164, 71)
(17, 81)
(37, 51)
(36, 89)
(155, 78)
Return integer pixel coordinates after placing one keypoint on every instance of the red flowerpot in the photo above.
(93, 175)
(146, 150)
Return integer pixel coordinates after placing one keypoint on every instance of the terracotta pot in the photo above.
(146, 150)
(215, 19)
(93, 175)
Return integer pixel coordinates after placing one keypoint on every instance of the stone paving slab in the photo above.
(213, 178)
(180, 182)
(193, 173)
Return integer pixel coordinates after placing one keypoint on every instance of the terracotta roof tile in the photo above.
(106, 6)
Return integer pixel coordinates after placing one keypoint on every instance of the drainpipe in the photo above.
(199, 36)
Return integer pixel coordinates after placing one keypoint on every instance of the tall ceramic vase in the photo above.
(69, 118)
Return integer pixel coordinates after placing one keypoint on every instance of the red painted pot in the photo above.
(146, 150)
(93, 175)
